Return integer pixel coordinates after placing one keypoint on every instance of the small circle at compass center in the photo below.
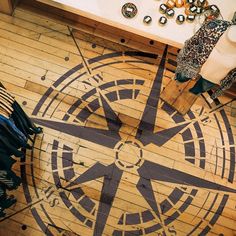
(129, 155)
(129, 10)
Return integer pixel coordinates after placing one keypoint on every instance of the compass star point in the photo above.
(103, 137)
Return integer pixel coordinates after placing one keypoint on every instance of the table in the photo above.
(109, 12)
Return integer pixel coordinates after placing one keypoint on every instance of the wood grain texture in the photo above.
(178, 96)
(110, 91)
(6, 6)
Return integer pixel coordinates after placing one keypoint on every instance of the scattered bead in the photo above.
(193, 9)
(214, 8)
(180, 19)
(212, 12)
(199, 10)
(129, 10)
(163, 20)
(147, 19)
(163, 8)
(190, 18)
(170, 13)
(190, 1)
(201, 3)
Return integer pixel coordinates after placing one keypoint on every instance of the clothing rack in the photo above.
(16, 129)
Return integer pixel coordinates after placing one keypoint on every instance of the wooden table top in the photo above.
(109, 12)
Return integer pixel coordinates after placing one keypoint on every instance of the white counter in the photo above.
(109, 12)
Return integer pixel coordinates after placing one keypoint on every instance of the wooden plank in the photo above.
(31, 51)
(178, 96)
(6, 6)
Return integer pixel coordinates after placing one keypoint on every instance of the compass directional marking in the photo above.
(109, 189)
(145, 188)
(162, 173)
(161, 137)
(112, 176)
(113, 121)
(145, 131)
(150, 112)
(106, 138)
(96, 171)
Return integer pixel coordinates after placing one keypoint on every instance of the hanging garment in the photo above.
(197, 49)
(15, 130)
(5, 200)
(2, 200)
(11, 137)
(6, 144)
(221, 60)
(198, 52)
(6, 161)
(8, 127)
(225, 84)
(9, 179)
(23, 122)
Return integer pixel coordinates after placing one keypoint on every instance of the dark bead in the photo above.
(193, 9)
(163, 20)
(180, 19)
(201, 2)
(190, 1)
(214, 11)
(190, 18)
(214, 8)
(147, 19)
(129, 10)
(163, 8)
(199, 10)
(170, 12)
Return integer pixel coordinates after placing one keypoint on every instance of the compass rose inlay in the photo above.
(130, 152)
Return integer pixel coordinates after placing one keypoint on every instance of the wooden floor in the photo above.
(113, 159)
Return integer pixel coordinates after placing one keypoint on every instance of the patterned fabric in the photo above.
(197, 49)
(226, 83)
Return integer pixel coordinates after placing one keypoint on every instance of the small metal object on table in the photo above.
(163, 20)
(129, 10)
(180, 19)
(147, 19)
(170, 13)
